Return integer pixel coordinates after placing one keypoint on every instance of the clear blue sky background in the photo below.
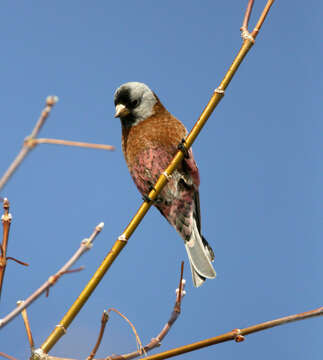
(260, 160)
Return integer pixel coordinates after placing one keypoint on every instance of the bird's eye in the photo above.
(135, 103)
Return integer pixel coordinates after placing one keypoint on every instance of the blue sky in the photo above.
(259, 158)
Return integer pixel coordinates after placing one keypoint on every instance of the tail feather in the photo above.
(200, 256)
(197, 279)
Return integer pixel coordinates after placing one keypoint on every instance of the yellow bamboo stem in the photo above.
(60, 330)
(218, 94)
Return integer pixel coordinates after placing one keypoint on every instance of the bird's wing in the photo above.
(191, 177)
(190, 170)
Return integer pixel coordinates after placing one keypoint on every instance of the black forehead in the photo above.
(122, 97)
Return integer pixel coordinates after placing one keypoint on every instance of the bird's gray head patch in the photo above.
(138, 99)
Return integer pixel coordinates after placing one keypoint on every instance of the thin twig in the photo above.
(7, 356)
(27, 145)
(27, 326)
(6, 222)
(180, 289)
(86, 244)
(156, 342)
(17, 261)
(73, 143)
(262, 18)
(50, 102)
(245, 34)
(104, 321)
(140, 348)
(236, 334)
(54, 278)
(245, 22)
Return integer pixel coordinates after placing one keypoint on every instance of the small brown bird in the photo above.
(151, 136)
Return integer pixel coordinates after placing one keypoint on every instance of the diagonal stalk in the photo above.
(218, 94)
(161, 182)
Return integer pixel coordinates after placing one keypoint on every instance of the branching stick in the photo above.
(28, 145)
(86, 245)
(236, 334)
(156, 341)
(31, 141)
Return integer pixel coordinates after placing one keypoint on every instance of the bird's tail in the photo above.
(200, 255)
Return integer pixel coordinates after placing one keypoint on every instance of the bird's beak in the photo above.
(121, 111)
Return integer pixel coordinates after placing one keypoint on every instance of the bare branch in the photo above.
(27, 326)
(139, 344)
(7, 356)
(104, 321)
(28, 144)
(262, 18)
(245, 34)
(73, 143)
(156, 342)
(6, 222)
(54, 278)
(17, 261)
(245, 22)
(86, 245)
(50, 102)
(236, 334)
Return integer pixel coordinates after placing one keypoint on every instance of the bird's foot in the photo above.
(181, 146)
(146, 196)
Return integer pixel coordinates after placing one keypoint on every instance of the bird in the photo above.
(151, 136)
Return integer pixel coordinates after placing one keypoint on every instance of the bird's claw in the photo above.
(146, 197)
(181, 146)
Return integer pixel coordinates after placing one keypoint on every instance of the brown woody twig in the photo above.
(54, 278)
(156, 342)
(73, 143)
(31, 141)
(246, 18)
(86, 245)
(104, 321)
(140, 348)
(262, 18)
(245, 34)
(28, 142)
(6, 222)
(27, 326)
(17, 261)
(7, 356)
(236, 334)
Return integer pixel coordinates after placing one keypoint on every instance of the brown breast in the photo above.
(161, 129)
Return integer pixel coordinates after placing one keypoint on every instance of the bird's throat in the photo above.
(128, 121)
